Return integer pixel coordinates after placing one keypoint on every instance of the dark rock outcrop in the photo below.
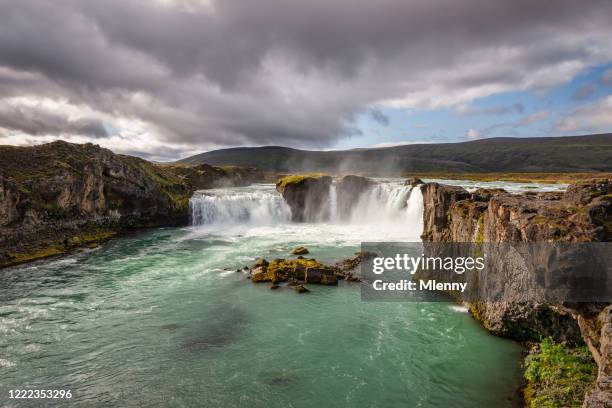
(413, 182)
(307, 196)
(437, 201)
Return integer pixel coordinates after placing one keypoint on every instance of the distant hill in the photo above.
(592, 153)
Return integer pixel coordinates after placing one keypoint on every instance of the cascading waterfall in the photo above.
(234, 206)
(385, 202)
(414, 209)
(333, 202)
(388, 205)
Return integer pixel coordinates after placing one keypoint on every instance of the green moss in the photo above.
(557, 376)
(297, 178)
(554, 222)
(480, 229)
(41, 253)
(58, 246)
(282, 269)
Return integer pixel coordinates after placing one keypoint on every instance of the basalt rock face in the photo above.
(349, 189)
(597, 329)
(437, 201)
(582, 214)
(307, 196)
(60, 195)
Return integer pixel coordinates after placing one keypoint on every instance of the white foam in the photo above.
(4, 363)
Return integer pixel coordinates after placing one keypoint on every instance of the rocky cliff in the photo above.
(582, 214)
(307, 195)
(60, 195)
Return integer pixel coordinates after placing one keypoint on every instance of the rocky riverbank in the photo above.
(59, 196)
(582, 214)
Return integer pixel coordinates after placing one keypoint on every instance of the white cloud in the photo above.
(473, 134)
(533, 117)
(596, 117)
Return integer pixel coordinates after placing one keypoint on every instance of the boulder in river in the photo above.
(307, 270)
(300, 289)
(325, 275)
(280, 270)
(300, 251)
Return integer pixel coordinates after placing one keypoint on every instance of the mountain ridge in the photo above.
(588, 153)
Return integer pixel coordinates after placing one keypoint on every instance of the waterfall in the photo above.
(235, 206)
(383, 203)
(333, 202)
(385, 207)
(414, 210)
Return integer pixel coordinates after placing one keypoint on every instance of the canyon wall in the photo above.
(57, 196)
(582, 214)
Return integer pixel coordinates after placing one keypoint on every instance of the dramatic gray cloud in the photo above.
(177, 77)
(36, 120)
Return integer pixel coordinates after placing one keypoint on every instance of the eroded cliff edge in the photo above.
(60, 195)
(582, 214)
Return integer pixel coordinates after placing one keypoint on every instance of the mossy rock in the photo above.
(296, 179)
(307, 195)
(300, 251)
(304, 270)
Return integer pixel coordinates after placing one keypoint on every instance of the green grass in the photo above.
(558, 376)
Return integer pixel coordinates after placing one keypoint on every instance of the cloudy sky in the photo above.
(168, 78)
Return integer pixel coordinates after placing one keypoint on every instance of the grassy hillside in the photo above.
(577, 154)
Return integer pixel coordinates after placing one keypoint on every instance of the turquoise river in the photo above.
(162, 318)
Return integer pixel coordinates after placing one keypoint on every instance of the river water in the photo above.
(162, 318)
